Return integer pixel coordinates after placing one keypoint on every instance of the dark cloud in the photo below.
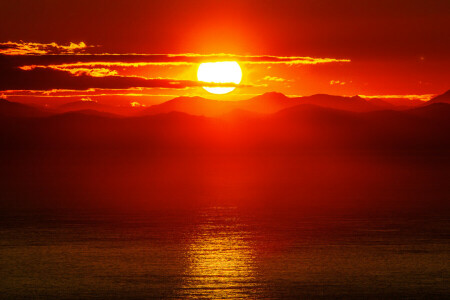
(35, 66)
(144, 59)
(49, 79)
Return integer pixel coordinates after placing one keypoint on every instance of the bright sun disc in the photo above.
(220, 72)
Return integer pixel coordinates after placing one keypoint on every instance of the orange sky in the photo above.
(372, 47)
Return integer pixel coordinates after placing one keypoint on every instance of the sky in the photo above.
(295, 47)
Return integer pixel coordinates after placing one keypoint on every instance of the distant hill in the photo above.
(302, 154)
(439, 111)
(19, 110)
(267, 103)
(87, 112)
(82, 105)
(191, 105)
(396, 103)
(95, 106)
(303, 113)
(444, 98)
(356, 103)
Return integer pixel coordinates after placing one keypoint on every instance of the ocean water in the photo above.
(223, 253)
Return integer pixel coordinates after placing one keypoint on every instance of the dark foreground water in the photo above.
(223, 252)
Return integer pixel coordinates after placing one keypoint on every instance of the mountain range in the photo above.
(271, 120)
(329, 152)
(267, 103)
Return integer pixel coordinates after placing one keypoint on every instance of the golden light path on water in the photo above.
(220, 260)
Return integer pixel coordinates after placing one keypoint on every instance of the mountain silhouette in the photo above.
(443, 98)
(81, 105)
(95, 106)
(303, 122)
(267, 118)
(299, 154)
(436, 112)
(267, 103)
(356, 103)
(87, 112)
(191, 105)
(396, 103)
(14, 109)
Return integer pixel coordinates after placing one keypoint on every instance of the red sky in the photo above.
(394, 47)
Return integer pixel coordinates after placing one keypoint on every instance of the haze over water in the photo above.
(106, 225)
(223, 252)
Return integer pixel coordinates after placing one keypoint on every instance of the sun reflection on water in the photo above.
(220, 259)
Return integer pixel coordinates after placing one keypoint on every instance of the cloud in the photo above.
(139, 60)
(75, 55)
(91, 92)
(22, 48)
(423, 97)
(337, 82)
(38, 66)
(87, 99)
(274, 78)
(94, 72)
(50, 79)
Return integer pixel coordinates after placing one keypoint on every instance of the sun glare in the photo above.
(220, 72)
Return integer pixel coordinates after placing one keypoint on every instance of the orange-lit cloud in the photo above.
(94, 72)
(67, 60)
(337, 82)
(274, 78)
(71, 93)
(140, 60)
(87, 99)
(136, 104)
(423, 97)
(37, 66)
(89, 93)
(22, 48)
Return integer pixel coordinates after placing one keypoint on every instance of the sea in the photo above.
(223, 252)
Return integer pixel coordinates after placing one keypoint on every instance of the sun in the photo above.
(220, 72)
